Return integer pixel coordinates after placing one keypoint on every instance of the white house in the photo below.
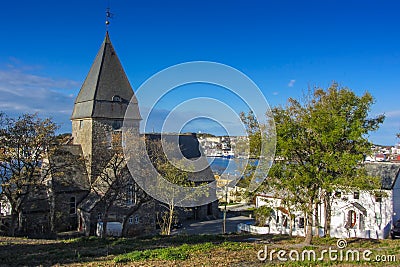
(354, 213)
(279, 222)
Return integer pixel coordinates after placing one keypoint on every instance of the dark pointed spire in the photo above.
(106, 91)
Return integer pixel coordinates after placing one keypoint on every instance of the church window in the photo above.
(130, 221)
(130, 195)
(136, 219)
(117, 125)
(72, 205)
(356, 195)
(80, 124)
(116, 98)
(99, 216)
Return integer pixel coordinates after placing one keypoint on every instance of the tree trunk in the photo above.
(328, 215)
(290, 225)
(52, 213)
(170, 219)
(11, 230)
(124, 226)
(20, 225)
(309, 223)
(105, 220)
(316, 220)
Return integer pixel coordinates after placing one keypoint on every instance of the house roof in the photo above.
(68, 169)
(360, 208)
(387, 172)
(106, 91)
(190, 148)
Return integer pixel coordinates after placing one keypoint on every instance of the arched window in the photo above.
(351, 219)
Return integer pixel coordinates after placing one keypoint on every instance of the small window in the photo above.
(301, 222)
(116, 98)
(129, 194)
(72, 205)
(80, 124)
(136, 219)
(362, 223)
(209, 209)
(378, 197)
(351, 219)
(130, 220)
(99, 216)
(356, 195)
(117, 125)
(285, 222)
(338, 194)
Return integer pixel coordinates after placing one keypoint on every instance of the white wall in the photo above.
(377, 218)
(5, 208)
(396, 199)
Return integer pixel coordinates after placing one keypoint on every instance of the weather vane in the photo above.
(109, 15)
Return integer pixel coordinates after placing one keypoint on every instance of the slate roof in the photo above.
(190, 149)
(388, 173)
(69, 169)
(106, 91)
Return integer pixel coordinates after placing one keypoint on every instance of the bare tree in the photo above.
(173, 172)
(115, 186)
(23, 144)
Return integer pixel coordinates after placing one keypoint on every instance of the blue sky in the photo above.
(47, 48)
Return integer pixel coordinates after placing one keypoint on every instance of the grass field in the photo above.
(199, 250)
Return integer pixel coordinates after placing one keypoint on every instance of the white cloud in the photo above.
(275, 93)
(291, 83)
(393, 114)
(23, 92)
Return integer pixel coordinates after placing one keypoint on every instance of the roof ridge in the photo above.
(104, 45)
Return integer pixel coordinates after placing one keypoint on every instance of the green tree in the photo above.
(262, 214)
(24, 143)
(321, 143)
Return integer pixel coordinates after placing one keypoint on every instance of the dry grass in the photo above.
(201, 250)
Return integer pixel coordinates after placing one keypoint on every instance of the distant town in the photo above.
(225, 147)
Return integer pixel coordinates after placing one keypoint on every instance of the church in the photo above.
(79, 191)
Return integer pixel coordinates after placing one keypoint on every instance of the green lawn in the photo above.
(200, 250)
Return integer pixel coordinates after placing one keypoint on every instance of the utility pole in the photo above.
(226, 201)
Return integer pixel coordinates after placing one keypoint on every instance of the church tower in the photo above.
(100, 106)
